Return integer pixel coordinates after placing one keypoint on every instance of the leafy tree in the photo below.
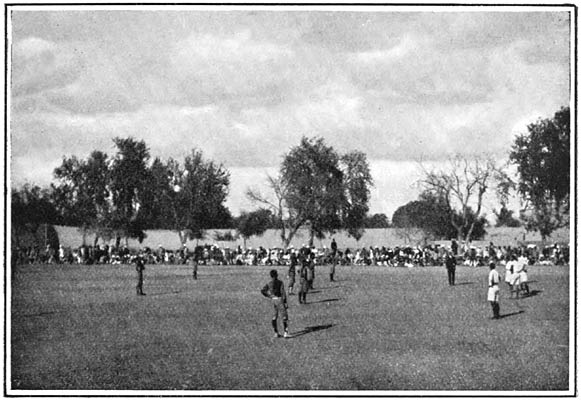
(462, 186)
(192, 196)
(504, 218)
(129, 187)
(314, 182)
(82, 193)
(430, 217)
(254, 223)
(31, 207)
(476, 224)
(430, 214)
(357, 180)
(542, 158)
(156, 209)
(377, 221)
(318, 188)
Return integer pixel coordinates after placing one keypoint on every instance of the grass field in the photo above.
(377, 328)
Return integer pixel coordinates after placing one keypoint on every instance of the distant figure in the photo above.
(510, 277)
(292, 270)
(274, 290)
(311, 270)
(454, 247)
(303, 281)
(451, 268)
(139, 267)
(521, 269)
(494, 291)
(334, 260)
(194, 263)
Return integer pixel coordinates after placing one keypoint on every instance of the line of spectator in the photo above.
(405, 256)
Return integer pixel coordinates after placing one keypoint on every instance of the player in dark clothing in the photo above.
(274, 290)
(451, 268)
(303, 281)
(193, 261)
(292, 273)
(334, 260)
(311, 270)
(139, 267)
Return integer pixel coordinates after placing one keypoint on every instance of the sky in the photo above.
(402, 85)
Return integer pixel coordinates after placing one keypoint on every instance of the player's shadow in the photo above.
(164, 293)
(310, 329)
(511, 314)
(314, 291)
(531, 294)
(463, 283)
(323, 301)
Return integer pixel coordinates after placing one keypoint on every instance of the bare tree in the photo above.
(288, 220)
(462, 184)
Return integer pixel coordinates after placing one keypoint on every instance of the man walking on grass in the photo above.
(274, 290)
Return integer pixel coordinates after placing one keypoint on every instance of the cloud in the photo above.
(245, 86)
(212, 68)
(39, 65)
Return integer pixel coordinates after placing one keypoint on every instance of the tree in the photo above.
(129, 186)
(462, 185)
(504, 218)
(430, 214)
(82, 193)
(357, 180)
(542, 158)
(318, 188)
(314, 184)
(191, 195)
(287, 220)
(377, 221)
(31, 207)
(254, 223)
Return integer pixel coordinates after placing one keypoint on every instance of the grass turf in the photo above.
(376, 328)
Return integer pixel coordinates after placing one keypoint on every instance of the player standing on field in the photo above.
(292, 273)
(139, 267)
(494, 290)
(274, 290)
(303, 280)
(334, 263)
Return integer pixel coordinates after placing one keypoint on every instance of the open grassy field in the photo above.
(377, 328)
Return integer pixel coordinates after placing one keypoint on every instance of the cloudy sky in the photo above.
(244, 85)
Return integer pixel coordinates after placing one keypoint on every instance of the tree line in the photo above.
(316, 187)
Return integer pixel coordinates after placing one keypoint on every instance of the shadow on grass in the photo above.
(322, 301)
(331, 287)
(531, 294)
(463, 283)
(525, 296)
(314, 291)
(511, 314)
(164, 293)
(310, 329)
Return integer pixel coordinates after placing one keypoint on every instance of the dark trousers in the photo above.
(451, 276)
(139, 286)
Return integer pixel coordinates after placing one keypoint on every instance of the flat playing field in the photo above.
(376, 328)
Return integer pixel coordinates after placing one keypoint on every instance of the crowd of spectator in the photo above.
(211, 254)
